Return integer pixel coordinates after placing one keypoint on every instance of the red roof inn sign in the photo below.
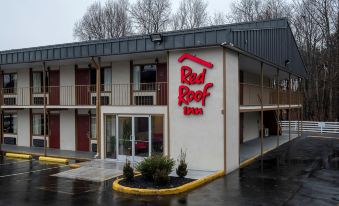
(188, 77)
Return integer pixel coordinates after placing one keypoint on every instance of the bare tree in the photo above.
(151, 16)
(245, 10)
(219, 18)
(191, 14)
(108, 21)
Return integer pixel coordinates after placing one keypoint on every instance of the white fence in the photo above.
(311, 126)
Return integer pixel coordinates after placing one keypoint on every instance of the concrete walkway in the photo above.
(39, 151)
(103, 170)
(252, 148)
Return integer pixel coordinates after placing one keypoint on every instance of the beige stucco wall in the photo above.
(23, 128)
(67, 82)
(251, 125)
(232, 110)
(67, 129)
(201, 136)
(121, 83)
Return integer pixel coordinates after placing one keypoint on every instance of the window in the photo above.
(105, 78)
(10, 80)
(38, 125)
(144, 77)
(93, 127)
(110, 136)
(10, 123)
(157, 135)
(37, 78)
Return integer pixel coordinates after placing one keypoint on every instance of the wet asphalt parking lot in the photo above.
(304, 172)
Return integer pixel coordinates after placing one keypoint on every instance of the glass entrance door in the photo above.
(134, 135)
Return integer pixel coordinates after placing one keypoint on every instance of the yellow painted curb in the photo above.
(252, 159)
(16, 155)
(53, 159)
(74, 166)
(171, 191)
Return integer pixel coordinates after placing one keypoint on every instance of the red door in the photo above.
(82, 86)
(54, 87)
(83, 132)
(161, 84)
(54, 131)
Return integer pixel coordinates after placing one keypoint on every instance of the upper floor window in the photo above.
(10, 82)
(37, 78)
(144, 77)
(10, 124)
(105, 78)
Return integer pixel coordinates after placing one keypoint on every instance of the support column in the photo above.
(289, 106)
(97, 65)
(278, 108)
(45, 112)
(1, 103)
(262, 116)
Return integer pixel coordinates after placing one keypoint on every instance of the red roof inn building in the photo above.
(211, 92)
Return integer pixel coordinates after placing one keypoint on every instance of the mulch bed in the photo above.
(142, 183)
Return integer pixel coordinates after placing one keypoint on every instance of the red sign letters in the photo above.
(188, 77)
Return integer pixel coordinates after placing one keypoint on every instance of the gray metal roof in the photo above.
(271, 40)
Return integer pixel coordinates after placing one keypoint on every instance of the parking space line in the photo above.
(12, 163)
(33, 171)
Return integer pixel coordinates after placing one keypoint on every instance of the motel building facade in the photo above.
(207, 91)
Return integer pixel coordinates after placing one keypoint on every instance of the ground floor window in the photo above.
(93, 127)
(157, 135)
(10, 124)
(38, 124)
(110, 136)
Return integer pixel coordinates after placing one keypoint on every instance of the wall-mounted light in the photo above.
(156, 38)
(287, 62)
(156, 61)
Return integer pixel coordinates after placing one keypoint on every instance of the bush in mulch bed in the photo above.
(155, 172)
(142, 183)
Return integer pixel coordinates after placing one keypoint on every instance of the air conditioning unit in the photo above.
(10, 101)
(10, 140)
(144, 98)
(104, 100)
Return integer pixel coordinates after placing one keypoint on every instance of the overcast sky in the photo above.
(30, 23)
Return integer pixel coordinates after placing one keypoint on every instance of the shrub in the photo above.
(149, 166)
(160, 177)
(128, 172)
(182, 167)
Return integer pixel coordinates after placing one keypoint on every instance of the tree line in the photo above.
(315, 25)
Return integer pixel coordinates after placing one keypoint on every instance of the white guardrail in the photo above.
(312, 126)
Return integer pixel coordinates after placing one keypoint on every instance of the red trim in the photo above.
(195, 59)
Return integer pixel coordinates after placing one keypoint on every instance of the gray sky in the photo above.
(30, 23)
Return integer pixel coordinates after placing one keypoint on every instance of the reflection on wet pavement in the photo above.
(304, 172)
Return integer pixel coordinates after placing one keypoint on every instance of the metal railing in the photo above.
(112, 94)
(250, 93)
(312, 126)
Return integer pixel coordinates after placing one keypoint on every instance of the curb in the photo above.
(171, 191)
(17, 155)
(252, 159)
(53, 159)
(74, 166)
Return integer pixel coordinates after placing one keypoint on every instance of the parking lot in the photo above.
(304, 172)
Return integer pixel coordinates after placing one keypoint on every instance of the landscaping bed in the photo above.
(141, 183)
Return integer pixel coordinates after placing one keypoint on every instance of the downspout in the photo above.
(278, 108)
(224, 106)
(261, 116)
(289, 106)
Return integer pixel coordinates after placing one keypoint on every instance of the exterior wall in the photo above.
(251, 125)
(202, 136)
(23, 86)
(121, 82)
(23, 138)
(132, 110)
(232, 110)
(67, 129)
(67, 82)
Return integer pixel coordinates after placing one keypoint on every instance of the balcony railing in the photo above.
(82, 95)
(250, 95)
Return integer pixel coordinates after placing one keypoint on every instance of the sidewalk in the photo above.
(252, 148)
(39, 151)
